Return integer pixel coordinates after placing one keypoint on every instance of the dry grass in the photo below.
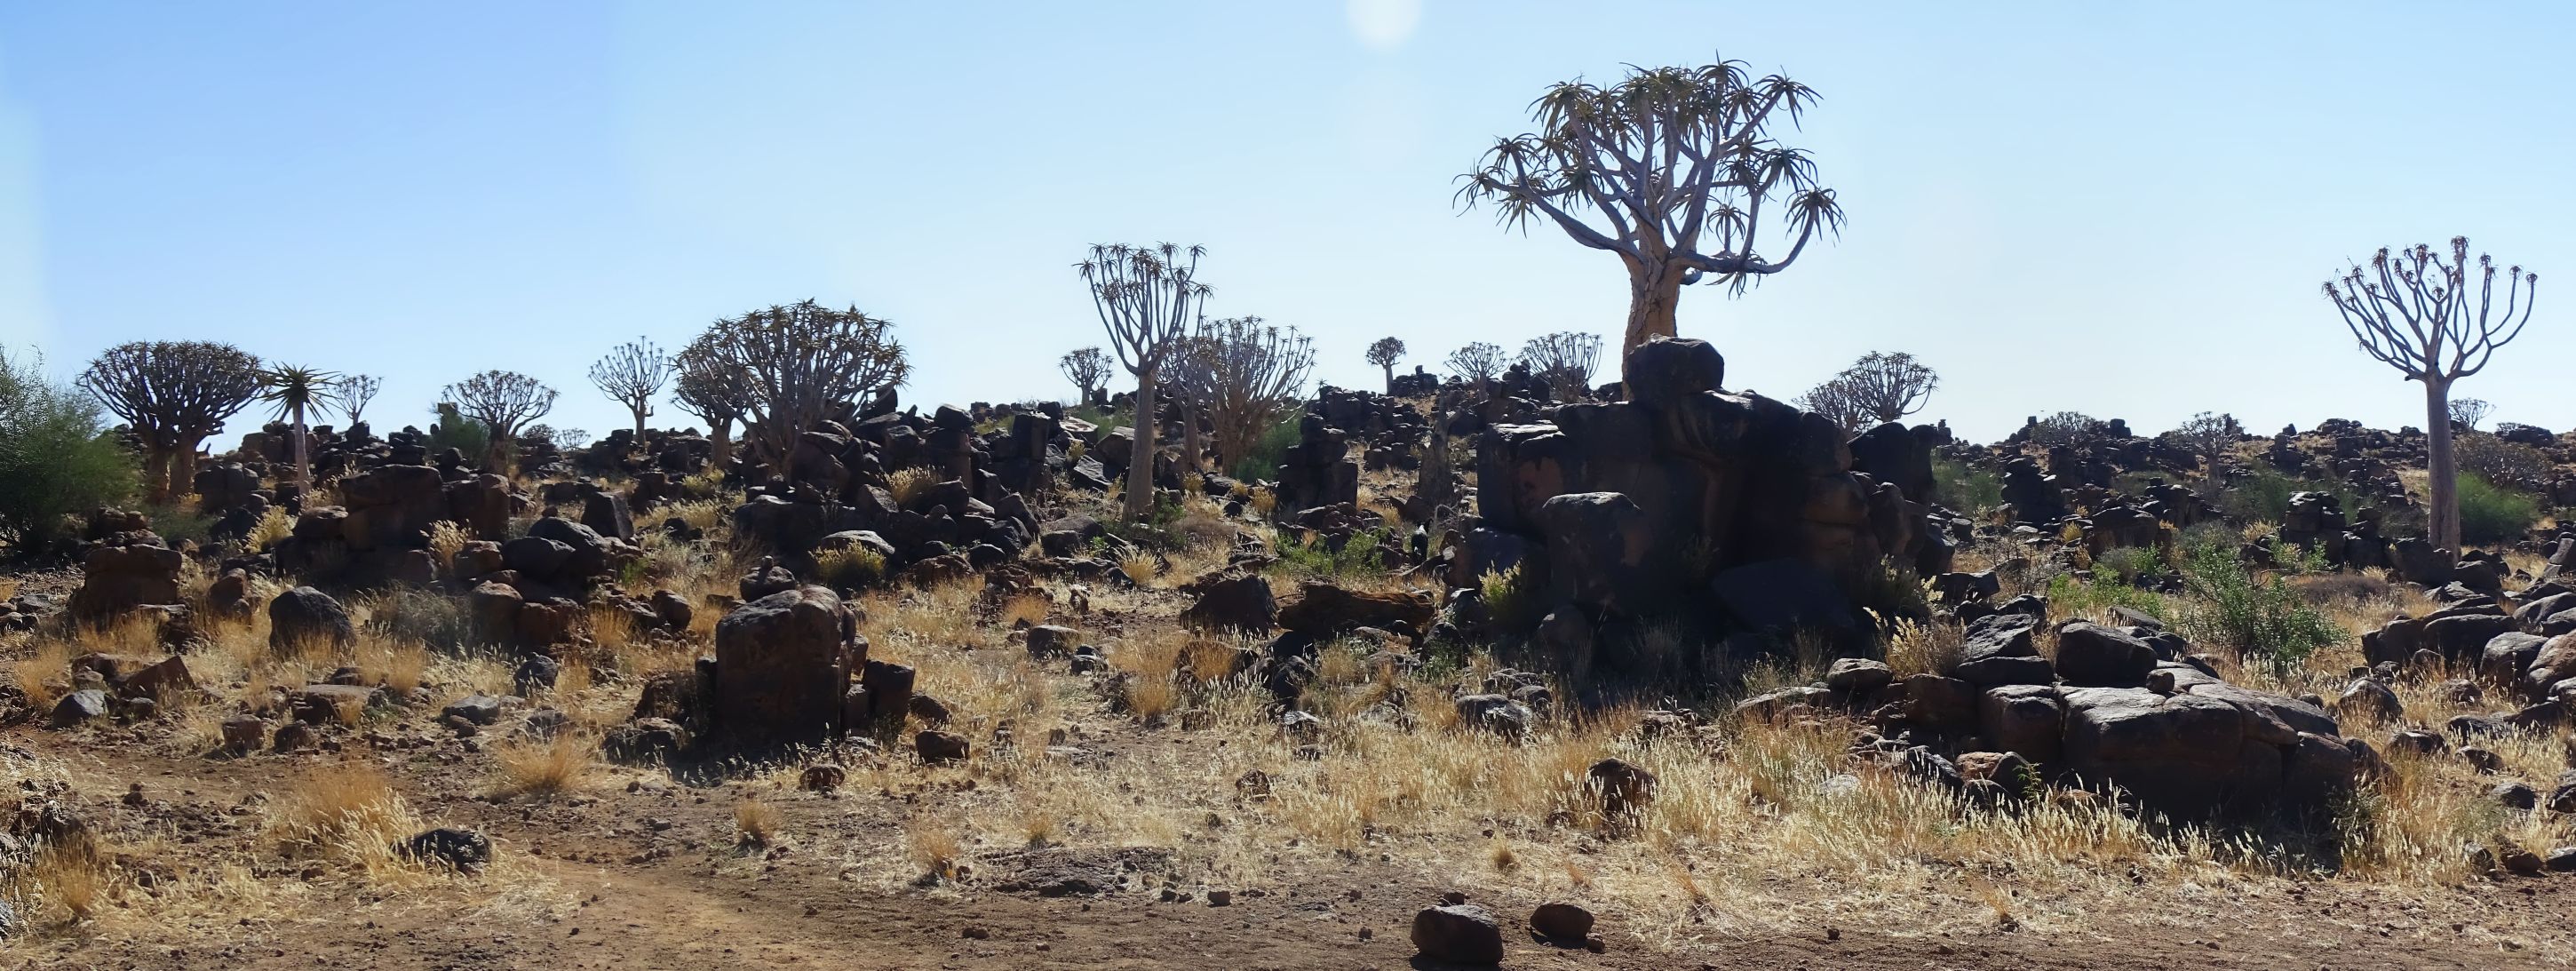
(45, 675)
(909, 485)
(755, 823)
(72, 878)
(548, 767)
(273, 526)
(1025, 608)
(446, 539)
(400, 664)
(934, 848)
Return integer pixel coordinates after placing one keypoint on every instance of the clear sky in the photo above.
(2122, 209)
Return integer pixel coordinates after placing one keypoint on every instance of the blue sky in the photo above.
(2119, 209)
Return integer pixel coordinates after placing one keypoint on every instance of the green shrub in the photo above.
(2492, 514)
(2128, 563)
(55, 454)
(850, 567)
(1361, 555)
(1262, 463)
(2264, 497)
(458, 432)
(1963, 488)
(2266, 621)
(1507, 597)
(2073, 597)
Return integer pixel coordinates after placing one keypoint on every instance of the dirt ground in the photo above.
(639, 870)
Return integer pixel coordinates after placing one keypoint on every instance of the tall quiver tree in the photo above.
(1384, 354)
(1682, 167)
(713, 390)
(299, 393)
(1088, 369)
(172, 394)
(798, 365)
(505, 402)
(1148, 299)
(631, 375)
(2416, 312)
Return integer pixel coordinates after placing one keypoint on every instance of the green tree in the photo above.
(56, 456)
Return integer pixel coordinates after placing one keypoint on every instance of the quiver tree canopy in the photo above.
(1676, 170)
(798, 364)
(631, 375)
(504, 401)
(172, 395)
(1088, 369)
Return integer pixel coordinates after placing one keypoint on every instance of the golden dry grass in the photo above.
(546, 767)
(755, 823)
(46, 674)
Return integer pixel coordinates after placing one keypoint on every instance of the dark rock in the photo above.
(1561, 921)
(463, 850)
(306, 618)
(1458, 934)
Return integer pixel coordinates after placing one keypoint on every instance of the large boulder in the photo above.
(117, 579)
(2103, 657)
(1598, 543)
(782, 665)
(1458, 934)
(307, 619)
(1231, 601)
(2213, 748)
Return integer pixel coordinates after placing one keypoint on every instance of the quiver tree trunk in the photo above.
(1654, 293)
(1140, 457)
(2442, 472)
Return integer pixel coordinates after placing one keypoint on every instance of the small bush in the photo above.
(1963, 488)
(2491, 514)
(909, 485)
(2265, 620)
(850, 567)
(2129, 563)
(2071, 597)
(1508, 598)
(55, 454)
(2497, 460)
(1261, 464)
(458, 432)
(274, 526)
(1361, 555)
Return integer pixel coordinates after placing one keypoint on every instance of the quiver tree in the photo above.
(1148, 298)
(1188, 378)
(1887, 387)
(631, 375)
(1088, 369)
(1682, 168)
(1384, 354)
(172, 395)
(355, 391)
(2207, 437)
(2427, 318)
(713, 390)
(798, 365)
(1255, 374)
(298, 392)
(2469, 413)
(1835, 400)
(1565, 361)
(1476, 364)
(504, 402)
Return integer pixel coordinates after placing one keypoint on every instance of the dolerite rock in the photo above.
(939, 748)
(1597, 543)
(116, 579)
(2216, 747)
(308, 619)
(1561, 921)
(782, 665)
(2024, 719)
(463, 850)
(2369, 701)
(1458, 934)
(1323, 610)
(478, 709)
(2102, 657)
(1048, 640)
(1858, 676)
(78, 707)
(1231, 602)
(2003, 649)
(1624, 786)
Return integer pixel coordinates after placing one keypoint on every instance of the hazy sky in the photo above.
(2120, 209)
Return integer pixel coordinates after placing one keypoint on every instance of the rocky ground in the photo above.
(990, 730)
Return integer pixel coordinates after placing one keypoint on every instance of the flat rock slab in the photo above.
(1068, 872)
